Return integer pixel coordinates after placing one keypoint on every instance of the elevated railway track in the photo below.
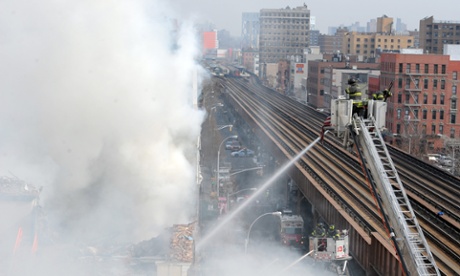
(332, 180)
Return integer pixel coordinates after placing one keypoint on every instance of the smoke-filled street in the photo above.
(97, 113)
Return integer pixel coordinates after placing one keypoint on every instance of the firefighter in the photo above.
(331, 231)
(377, 96)
(354, 94)
(319, 231)
(386, 94)
(337, 234)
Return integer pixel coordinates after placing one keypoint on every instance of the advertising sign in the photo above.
(299, 68)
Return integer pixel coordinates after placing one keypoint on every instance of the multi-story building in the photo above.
(250, 29)
(331, 44)
(251, 60)
(210, 44)
(314, 38)
(368, 45)
(319, 78)
(384, 24)
(371, 26)
(284, 33)
(423, 108)
(434, 34)
(400, 26)
(416, 35)
(283, 76)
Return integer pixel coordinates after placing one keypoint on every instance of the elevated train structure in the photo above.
(332, 180)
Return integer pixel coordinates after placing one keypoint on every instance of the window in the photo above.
(426, 68)
(417, 68)
(407, 98)
(454, 75)
(435, 99)
(424, 114)
(425, 84)
(399, 98)
(453, 104)
(399, 83)
(416, 114)
(425, 98)
(443, 84)
(441, 129)
(443, 69)
(408, 68)
(441, 100)
(433, 115)
(400, 67)
(433, 129)
(452, 119)
(435, 84)
(452, 133)
(441, 114)
(407, 83)
(454, 90)
(398, 114)
(435, 70)
(398, 129)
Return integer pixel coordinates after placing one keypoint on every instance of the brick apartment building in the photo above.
(332, 44)
(318, 81)
(423, 110)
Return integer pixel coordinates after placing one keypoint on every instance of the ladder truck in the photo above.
(365, 132)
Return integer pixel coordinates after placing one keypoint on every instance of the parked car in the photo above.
(232, 145)
(243, 153)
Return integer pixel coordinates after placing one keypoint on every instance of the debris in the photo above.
(182, 243)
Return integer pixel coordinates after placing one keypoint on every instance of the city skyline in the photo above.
(227, 15)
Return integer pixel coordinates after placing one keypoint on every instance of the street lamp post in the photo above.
(218, 162)
(250, 227)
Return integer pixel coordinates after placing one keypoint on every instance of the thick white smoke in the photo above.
(96, 107)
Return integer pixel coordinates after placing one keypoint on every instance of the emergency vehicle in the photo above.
(333, 251)
(363, 133)
(291, 229)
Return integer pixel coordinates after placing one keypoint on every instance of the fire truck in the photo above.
(291, 229)
(362, 132)
(332, 251)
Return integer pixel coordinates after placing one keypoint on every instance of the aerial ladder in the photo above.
(365, 132)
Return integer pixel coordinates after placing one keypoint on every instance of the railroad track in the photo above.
(294, 125)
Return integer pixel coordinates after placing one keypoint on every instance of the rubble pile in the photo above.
(182, 243)
(157, 246)
(15, 186)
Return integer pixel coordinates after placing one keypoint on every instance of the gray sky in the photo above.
(227, 14)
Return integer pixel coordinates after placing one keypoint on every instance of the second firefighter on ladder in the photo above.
(360, 105)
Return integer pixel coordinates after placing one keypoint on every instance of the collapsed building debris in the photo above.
(157, 246)
(182, 243)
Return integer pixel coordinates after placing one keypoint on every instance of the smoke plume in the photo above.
(96, 104)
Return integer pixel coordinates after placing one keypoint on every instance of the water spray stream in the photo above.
(231, 215)
(298, 260)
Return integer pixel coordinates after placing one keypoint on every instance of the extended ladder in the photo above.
(403, 223)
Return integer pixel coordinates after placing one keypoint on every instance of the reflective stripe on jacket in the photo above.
(353, 92)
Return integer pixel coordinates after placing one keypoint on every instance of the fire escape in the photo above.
(412, 104)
